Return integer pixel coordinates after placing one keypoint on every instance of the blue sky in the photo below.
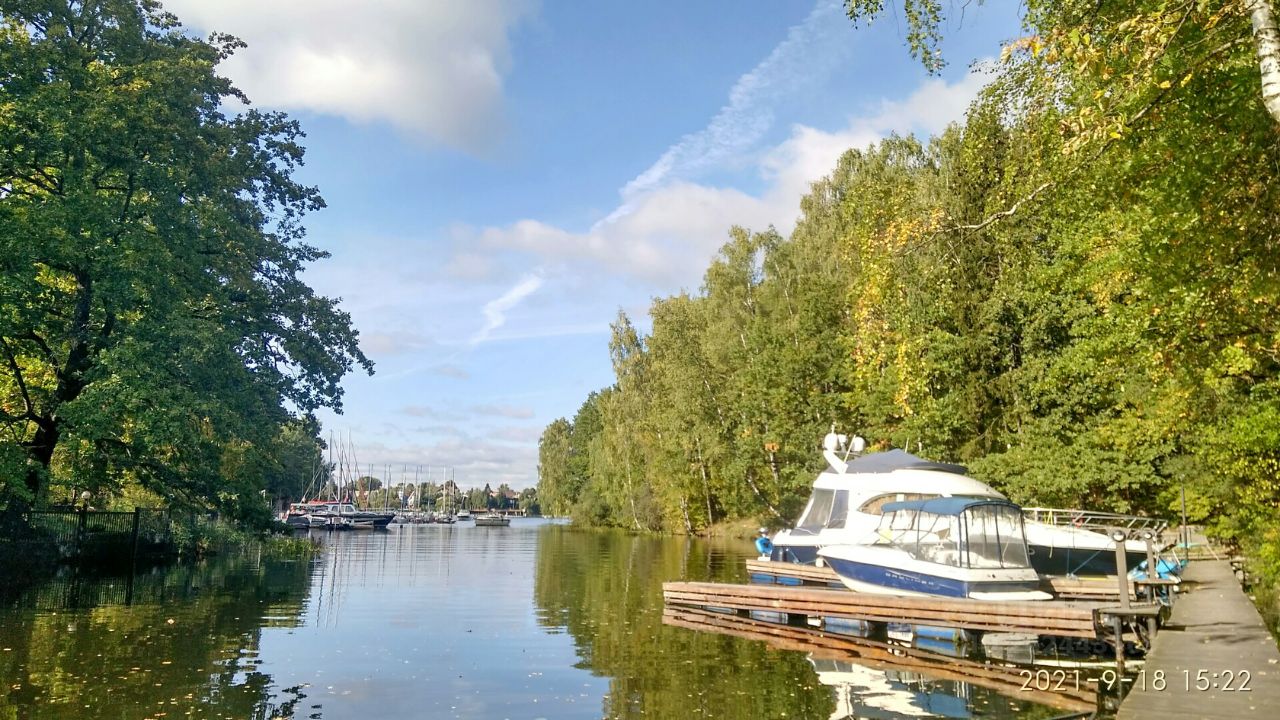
(503, 175)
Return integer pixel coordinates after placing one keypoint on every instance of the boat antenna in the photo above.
(854, 446)
(834, 444)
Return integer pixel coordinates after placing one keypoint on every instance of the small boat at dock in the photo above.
(952, 547)
(335, 516)
(492, 519)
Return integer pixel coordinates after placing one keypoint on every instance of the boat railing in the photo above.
(1094, 520)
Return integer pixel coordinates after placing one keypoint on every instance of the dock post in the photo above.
(1117, 627)
(1122, 576)
(137, 526)
(1153, 573)
(1183, 533)
(1122, 567)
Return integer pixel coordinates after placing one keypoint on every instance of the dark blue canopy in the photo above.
(945, 505)
(890, 460)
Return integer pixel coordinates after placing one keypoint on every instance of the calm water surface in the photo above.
(536, 620)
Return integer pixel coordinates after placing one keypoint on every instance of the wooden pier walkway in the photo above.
(1059, 618)
(1198, 664)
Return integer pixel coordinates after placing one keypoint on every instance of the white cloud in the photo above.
(419, 411)
(472, 461)
(666, 234)
(517, 433)
(431, 68)
(934, 105)
(508, 411)
(811, 50)
(382, 344)
(542, 331)
(451, 371)
(495, 311)
(665, 229)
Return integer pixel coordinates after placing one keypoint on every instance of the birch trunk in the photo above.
(1266, 37)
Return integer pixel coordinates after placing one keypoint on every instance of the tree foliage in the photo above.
(1076, 291)
(154, 325)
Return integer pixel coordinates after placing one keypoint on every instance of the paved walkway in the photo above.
(1213, 648)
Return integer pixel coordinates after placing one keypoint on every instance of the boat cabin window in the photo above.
(875, 505)
(924, 535)
(982, 536)
(819, 511)
(839, 510)
(995, 538)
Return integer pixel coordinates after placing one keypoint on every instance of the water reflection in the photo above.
(531, 621)
(186, 644)
(605, 589)
(863, 692)
(879, 678)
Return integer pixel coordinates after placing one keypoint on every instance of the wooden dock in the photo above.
(1058, 618)
(789, 573)
(1213, 638)
(1006, 679)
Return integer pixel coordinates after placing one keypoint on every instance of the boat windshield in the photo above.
(827, 509)
(818, 512)
(994, 537)
(983, 536)
(924, 535)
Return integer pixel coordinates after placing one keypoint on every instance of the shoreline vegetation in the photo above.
(29, 562)
(1075, 292)
(158, 346)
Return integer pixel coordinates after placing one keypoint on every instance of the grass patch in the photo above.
(740, 528)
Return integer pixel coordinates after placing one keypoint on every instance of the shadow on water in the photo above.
(170, 641)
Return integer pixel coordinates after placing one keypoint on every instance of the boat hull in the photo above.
(1049, 560)
(860, 570)
(1045, 559)
(802, 554)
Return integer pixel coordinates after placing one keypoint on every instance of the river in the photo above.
(536, 620)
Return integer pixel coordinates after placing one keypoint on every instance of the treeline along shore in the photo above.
(158, 347)
(1074, 291)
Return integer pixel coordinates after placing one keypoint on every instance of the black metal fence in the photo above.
(99, 535)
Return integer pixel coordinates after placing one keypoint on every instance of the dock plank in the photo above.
(1069, 619)
(1215, 628)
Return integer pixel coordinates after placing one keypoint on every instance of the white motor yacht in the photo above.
(849, 497)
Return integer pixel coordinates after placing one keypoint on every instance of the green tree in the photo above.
(505, 499)
(553, 467)
(154, 324)
(298, 463)
(528, 501)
